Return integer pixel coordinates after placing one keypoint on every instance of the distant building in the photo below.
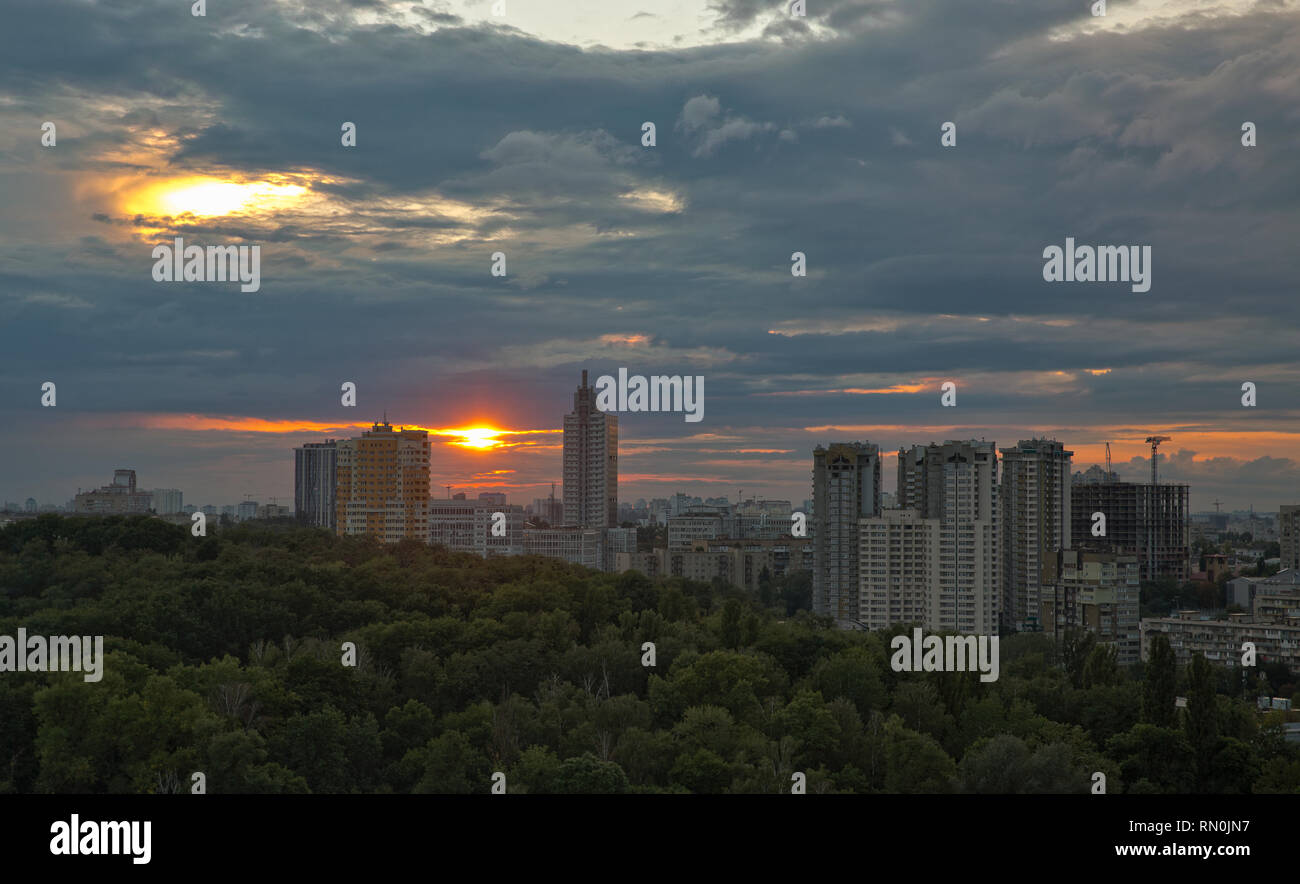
(167, 501)
(120, 498)
(713, 522)
(846, 488)
(466, 526)
(617, 540)
(383, 484)
(30, 505)
(271, 511)
(651, 564)
(1288, 529)
(590, 463)
(549, 509)
(1243, 591)
(1094, 475)
(497, 498)
(314, 483)
(246, 510)
(740, 563)
(579, 546)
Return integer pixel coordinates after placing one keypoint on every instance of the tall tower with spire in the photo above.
(590, 463)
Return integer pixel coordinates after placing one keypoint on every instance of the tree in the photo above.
(915, 763)
(729, 632)
(1076, 647)
(796, 591)
(1153, 759)
(1159, 685)
(453, 766)
(1102, 666)
(853, 674)
(1202, 723)
(587, 775)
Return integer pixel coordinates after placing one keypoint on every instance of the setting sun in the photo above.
(481, 438)
(207, 197)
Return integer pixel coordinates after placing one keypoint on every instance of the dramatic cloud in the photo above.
(522, 135)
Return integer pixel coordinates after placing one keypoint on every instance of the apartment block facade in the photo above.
(1097, 592)
(957, 484)
(846, 489)
(1034, 500)
(383, 484)
(314, 481)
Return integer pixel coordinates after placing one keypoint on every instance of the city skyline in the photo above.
(473, 447)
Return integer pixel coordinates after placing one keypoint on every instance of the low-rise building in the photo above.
(1221, 641)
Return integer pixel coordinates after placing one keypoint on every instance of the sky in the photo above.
(521, 133)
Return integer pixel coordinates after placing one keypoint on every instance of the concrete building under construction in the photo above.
(1144, 520)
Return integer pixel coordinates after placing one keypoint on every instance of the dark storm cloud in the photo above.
(508, 142)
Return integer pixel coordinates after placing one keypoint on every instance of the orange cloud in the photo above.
(239, 424)
(858, 391)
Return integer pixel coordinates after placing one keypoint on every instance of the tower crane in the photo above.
(1155, 454)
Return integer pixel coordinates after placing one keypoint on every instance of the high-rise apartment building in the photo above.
(957, 484)
(314, 466)
(1034, 500)
(898, 569)
(1143, 520)
(1288, 531)
(846, 488)
(590, 463)
(383, 484)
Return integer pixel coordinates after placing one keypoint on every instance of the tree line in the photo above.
(223, 656)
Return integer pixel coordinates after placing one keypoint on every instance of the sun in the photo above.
(480, 438)
(206, 197)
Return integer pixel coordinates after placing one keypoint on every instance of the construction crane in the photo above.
(1217, 502)
(1108, 472)
(1155, 454)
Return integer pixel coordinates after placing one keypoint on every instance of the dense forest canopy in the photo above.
(224, 656)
